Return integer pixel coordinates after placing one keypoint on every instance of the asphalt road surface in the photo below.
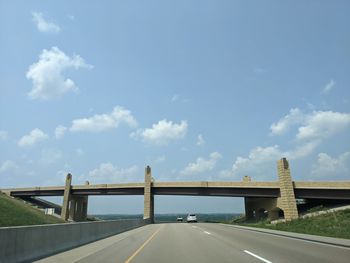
(200, 242)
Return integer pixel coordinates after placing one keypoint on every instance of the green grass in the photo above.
(16, 213)
(332, 224)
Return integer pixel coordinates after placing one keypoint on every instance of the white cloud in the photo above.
(312, 126)
(109, 173)
(3, 135)
(200, 140)
(295, 116)
(8, 166)
(47, 74)
(332, 168)
(323, 124)
(44, 25)
(34, 137)
(102, 122)
(329, 86)
(202, 165)
(163, 132)
(60, 131)
(261, 161)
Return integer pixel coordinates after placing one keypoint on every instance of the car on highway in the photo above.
(179, 219)
(191, 218)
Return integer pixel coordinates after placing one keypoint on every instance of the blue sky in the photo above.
(198, 90)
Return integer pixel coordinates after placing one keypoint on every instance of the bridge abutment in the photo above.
(148, 212)
(272, 208)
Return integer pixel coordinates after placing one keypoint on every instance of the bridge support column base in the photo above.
(261, 208)
(78, 208)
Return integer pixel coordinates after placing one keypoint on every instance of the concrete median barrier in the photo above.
(27, 243)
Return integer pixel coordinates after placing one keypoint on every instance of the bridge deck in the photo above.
(335, 190)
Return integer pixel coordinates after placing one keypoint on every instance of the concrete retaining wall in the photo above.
(26, 243)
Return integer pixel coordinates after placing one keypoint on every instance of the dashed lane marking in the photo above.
(256, 256)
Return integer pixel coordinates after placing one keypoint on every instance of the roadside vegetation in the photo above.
(16, 213)
(331, 224)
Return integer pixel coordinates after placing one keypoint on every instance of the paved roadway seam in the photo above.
(291, 237)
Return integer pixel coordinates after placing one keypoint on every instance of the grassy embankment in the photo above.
(16, 213)
(332, 224)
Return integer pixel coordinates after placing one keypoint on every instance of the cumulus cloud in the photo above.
(47, 74)
(315, 125)
(332, 167)
(202, 165)
(8, 166)
(44, 25)
(295, 116)
(200, 140)
(102, 122)
(3, 135)
(34, 137)
(328, 87)
(261, 161)
(109, 173)
(60, 131)
(163, 132)
(313, 128)
(323, 124)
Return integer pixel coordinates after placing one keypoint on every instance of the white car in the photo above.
(191, 218)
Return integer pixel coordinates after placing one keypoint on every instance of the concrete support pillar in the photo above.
(85, 204)
(148, 212)
(78, 208)
(66, 198)
(287, 200)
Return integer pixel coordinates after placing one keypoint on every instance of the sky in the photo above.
(198, 90)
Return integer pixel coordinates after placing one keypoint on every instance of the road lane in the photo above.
(202, 242)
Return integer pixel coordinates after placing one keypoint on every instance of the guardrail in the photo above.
(27, 243)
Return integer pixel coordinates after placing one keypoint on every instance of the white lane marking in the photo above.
(256, 256)
(206, 232)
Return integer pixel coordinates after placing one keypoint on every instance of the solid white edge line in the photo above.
(256, 256)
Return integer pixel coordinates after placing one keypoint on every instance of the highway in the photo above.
(200, 242)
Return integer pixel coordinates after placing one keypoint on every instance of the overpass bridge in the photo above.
(275, 198)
